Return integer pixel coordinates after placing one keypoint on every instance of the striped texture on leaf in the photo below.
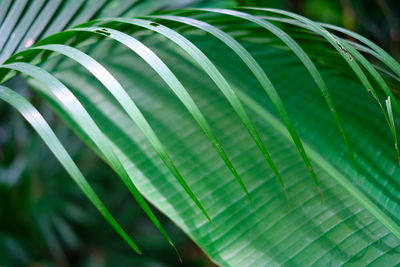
(197, 110)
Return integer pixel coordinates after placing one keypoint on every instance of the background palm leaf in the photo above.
(351, 216)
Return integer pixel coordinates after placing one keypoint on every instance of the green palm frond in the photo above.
(264, 136)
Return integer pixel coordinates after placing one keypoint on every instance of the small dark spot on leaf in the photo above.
(345, 51)
(154, 24)
(350, 56)
(103, 32)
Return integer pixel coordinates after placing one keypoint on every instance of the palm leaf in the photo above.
(43, 129)
(213, 105)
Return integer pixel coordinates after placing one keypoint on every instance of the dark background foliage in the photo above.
(45, 220)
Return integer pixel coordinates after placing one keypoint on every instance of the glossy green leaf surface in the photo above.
(351, 220)
(269, 229)
(43, 129)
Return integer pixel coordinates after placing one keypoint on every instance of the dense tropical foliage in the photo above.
(267, 137)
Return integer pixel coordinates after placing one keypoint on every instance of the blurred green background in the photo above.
(46, 221)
